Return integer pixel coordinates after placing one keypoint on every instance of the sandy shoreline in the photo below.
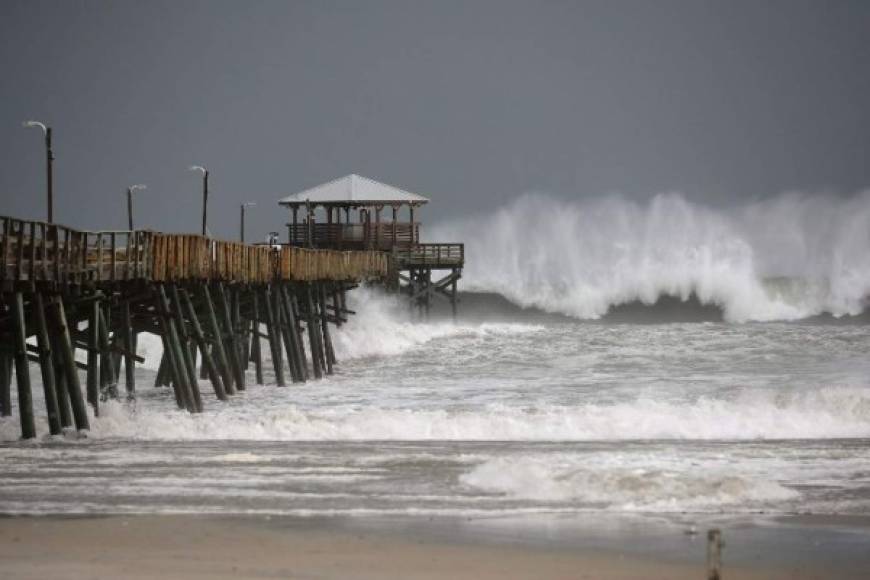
(178, 546)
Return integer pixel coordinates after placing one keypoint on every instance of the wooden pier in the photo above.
(212, 300)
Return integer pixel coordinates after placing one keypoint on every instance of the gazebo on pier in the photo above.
(348, 214)
(351, 215)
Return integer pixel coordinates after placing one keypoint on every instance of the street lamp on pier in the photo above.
(130, 191)
(49, 159)
(204, 194)
(242, 222)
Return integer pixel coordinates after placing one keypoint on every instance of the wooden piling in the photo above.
(298, 352)
(232, 346)
(287, 329)
(293, 300)
(6, 365)
(130, 344)
(184, 343)
(71, 376)
(329, 354)
(60, 382)
(273, 334)
(313, 335)
(160, 379)
(168, 368)
(108, 382)
(173, 346)
(218, 344)
(714, 555)
(47, 367)
(207, 361)
(256, 355)
(22, 373)
(93, 371)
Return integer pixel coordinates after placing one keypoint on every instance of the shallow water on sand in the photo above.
(491, 418)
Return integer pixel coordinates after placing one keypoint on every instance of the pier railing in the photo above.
(33, 251)
(430, 256)
(382, 236)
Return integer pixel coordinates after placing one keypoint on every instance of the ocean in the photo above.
(700, 374)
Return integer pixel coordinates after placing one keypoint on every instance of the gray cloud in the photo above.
(470, 103)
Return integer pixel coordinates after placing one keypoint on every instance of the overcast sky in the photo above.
(470, 103)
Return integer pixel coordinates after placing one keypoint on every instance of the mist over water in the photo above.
(785, 258)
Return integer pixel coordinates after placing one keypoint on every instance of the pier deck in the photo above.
(209, 300)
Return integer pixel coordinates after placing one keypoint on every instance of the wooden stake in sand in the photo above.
(714, 555)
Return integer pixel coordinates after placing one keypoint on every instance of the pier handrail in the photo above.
(431, 255)
(34, 251)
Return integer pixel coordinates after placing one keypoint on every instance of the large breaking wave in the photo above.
(784, 258)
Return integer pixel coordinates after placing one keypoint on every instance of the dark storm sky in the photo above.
(471, 103)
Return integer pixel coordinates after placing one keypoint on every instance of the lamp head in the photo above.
(198, 168)
(36, 124)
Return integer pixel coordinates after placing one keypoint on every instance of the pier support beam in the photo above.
(329, 354)
(60, 381)
(291, 337)
(6, 366)
(47, 366)
(232, 346)
(187, 354)
(93, 372)
(256, 355)
(22, 373)
(71, 375)
(183, 393)
(207, 361)
(273, 333)
(130, 345)
(314, 335)
(218, 349)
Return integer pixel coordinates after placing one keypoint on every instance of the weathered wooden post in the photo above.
(291, 339)
(313, 335)
(5, 384)
(72, 381)
(256, 355)
(274, 338)
(22, 373)
(207, 361)
(60, 382)
(161, 378)
(184, 342)
(108, 383)
(172, 346)
(218, 347)
(232, 346)
(93, 370)
(294, 334)
(130, 345)
(324, 327)
(168, 364)
(714, 555)
(47, 367)
(293, 299)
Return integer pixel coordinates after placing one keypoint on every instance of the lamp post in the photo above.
(49, 158)
(130, 191)
(204, 193)
(242, 221)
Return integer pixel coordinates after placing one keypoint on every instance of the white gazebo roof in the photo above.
(355, 190)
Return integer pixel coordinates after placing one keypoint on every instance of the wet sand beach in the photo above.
(179, 546)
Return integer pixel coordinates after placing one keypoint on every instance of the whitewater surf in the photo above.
(495, 416)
